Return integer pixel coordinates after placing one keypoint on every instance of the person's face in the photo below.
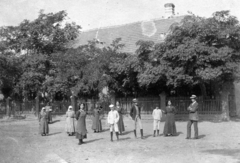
(193, 99)
(117, 103)
(81, 106)
(169, 103)
(112, 108)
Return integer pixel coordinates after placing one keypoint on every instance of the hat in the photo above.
(193, 96)
(70, 107)
(135, 100)
(110, 106)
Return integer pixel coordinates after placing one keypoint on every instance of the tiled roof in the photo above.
(129, 33)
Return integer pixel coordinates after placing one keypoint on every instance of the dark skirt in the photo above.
(121, 127)
(170, 127)
(80, 136)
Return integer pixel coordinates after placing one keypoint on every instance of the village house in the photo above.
(152, 30)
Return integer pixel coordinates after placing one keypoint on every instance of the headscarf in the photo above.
(69, 108)
(43, 108)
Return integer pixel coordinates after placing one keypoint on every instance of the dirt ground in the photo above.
(20, 143)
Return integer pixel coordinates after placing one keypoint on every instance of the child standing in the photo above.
(113, 118)
(157, 115)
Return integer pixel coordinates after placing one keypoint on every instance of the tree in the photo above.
(198, 51)
(34, 43)
(46, 34)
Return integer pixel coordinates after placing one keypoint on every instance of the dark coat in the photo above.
(133, 112)
(193, 114)
(81, 122)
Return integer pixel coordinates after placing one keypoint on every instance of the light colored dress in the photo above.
(70, 126)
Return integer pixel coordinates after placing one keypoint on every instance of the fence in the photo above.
(206, 106)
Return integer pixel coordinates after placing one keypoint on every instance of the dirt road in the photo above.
(21, 143)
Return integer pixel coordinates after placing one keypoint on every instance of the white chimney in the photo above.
(169, 10)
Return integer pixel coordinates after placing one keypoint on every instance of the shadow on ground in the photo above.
(225, 152)
(90, 141)
(126, 132)
(55, 121)
(54, 133)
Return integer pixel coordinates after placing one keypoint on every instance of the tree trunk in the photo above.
(74, 103)
(203, 89)
(8, 106)
(224, 101)
(37, 105)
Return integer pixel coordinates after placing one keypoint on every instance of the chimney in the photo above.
(169, 10)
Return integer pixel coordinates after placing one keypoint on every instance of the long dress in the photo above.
(120, 122)
(70, 126)
(97, 125)
(170, 127)
(81, 130)
(43, 127)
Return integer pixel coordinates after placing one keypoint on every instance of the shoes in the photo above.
(187, 138)
(195, 138)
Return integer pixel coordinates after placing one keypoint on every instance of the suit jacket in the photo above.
(133, 112)
(193, 114)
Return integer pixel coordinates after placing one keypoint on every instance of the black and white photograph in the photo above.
(119, 81)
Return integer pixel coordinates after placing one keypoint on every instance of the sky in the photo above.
(91, 14)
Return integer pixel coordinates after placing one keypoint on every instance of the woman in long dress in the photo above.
(81, 130)
(120, 110)
(97, 114)
(170, 127)
(43, 122)
(70, 126)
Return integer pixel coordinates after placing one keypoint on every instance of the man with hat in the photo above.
(135, 113)
(193, 118)
(113, 118)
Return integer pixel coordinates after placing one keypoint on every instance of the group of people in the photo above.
(80, 130)
(115, 120)
(170, 126)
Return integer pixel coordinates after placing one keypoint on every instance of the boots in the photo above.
(157, 132)
(80, 142)
(111, 133)
(135, 133)
(154, 132)
(117, 135)
(141, 130)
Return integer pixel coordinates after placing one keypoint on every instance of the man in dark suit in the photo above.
(135, 113)
(193, 118)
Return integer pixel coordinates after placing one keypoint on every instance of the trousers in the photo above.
(195, 124)
(156, 124)
(137, 121)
